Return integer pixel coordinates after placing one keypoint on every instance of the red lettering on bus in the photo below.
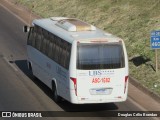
(100, 80)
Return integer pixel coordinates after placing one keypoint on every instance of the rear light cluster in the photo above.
(125, 84)
(75, 84)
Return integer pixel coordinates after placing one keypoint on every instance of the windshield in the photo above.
(100, 56)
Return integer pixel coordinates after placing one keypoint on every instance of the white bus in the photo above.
(77, 61)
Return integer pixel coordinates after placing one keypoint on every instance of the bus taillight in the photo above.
(75, 84)
(125, 84)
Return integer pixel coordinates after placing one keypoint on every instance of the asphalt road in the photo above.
(20, 92)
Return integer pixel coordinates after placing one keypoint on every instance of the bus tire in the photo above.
(29, 65)
(30, 69)
(56, 97)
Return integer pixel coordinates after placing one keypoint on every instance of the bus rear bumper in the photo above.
(98, 101)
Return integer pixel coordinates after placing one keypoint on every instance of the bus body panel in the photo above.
(47, 71)
(100, 85)
(77, 83)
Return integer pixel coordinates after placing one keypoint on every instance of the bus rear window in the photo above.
(100, 56)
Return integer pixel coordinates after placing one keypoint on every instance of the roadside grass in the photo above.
(131, 20)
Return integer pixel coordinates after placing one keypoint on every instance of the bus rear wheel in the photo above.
(31, 71)
(56, 97)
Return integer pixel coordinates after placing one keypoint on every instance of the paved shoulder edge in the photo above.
(138, 85)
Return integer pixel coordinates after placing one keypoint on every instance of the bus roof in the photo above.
(71, 29)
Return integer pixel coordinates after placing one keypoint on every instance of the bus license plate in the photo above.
(102, 91)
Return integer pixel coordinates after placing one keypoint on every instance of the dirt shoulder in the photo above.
(142, 96)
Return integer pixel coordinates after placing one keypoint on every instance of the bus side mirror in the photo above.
(26, 29)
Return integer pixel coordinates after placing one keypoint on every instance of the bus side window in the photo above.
(34, 36)
(50, 48)
(38, 38)
(42, 38)
(30, 36)
(64, 54)
(47, 43)
(60, 56)
(44, 41)
(68, 55)
(53, 47)
(57, 49)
